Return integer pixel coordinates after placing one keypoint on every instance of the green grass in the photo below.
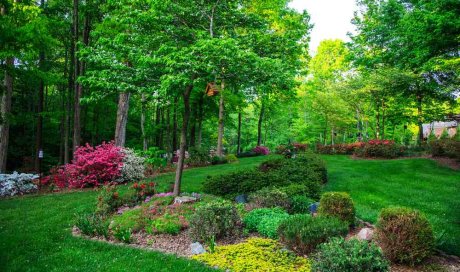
(417, 183)
(35, 231)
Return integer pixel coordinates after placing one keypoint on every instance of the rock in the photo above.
(365, 234)
(241, 199)
(184, 199)
(314, 207)
(197, 248)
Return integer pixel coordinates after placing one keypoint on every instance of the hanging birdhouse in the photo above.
(212, 89)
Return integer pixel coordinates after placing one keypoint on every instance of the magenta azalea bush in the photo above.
(262, 150)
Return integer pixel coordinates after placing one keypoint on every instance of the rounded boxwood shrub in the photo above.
(300, 204)
(268, 198)
(405, 235)
(216, 219)
(265, 221)
(337, 204)
(340, 255)
(303, 233)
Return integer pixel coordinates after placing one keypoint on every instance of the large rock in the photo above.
(197, 248)
(241, 199)
(184, 199)
(365, 234)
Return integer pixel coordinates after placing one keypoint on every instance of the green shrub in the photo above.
(300, 204)
(169, 224)
(130, 219)
(218, 160)
(340, 255)
(303, 233)
(295, 189)
(198, 157)
(405, 235)
(108, 200)
(219, 219)
(265, 221)
(256, 254)
(122, 235)
(247, 154)
(337, 204)
(92, 225)
(446, 148)
(380, 149)
(231, 158)
(268, 198)
(306, 169)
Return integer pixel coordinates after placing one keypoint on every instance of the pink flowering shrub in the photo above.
(91, 166)
(370, 149)
(262, 150)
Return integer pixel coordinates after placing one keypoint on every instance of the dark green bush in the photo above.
(340, 255)
(302, 233)
(198, 157)
(337, 204)
(307, 169)
(268, 198)
(217, 219)
(380, 149)
(405, 235)
(295, 189)
(445, 148)
(247, 154)
(300, 204)
(265, 221)
(92, 225)
(218, 160)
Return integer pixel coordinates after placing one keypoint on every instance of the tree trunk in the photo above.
(38, 137)
(157, 124)
(420, 118)
(183, 140)
(144, 138)
(200, 122)
(5, 114)
(77, 89)
(122, 119)
(174, 129)
(238, 146)
(220, 136)
(383, 120)
(259, 124)
(193, 119)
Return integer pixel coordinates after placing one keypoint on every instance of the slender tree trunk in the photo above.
(377, 127)
(420, 118)
(122, 119)
(193, 120)
(38, 136)
(174, 130)
(238, 144)
(259, 124)
(200, 122)
(144, 138)
(77, 89)
(383, 120)
(220, 136)
(5, 113)
(183, 140)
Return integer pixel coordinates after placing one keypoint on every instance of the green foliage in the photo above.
(217, 219)
(256, 254)
(265, 221)
(389, 151)
(108, 200)
(338, 204)
(218, 160)
(305, 169)
(231, 158)
(154, 157)
(295, 189)
(446, 148)
(303, 233)
(198, 157)
(92, 225)
(131, 219)
(169, 224)
(269, 198)
(405, 235)
(340, 255)
(300, 204)
(122, 235)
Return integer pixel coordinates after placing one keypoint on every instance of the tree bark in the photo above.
(38, 137)
(144, 138)
(5, 113)
(183, 140)
(220, 136)
(174, 129)
(77, 89)
(259, 124)
(420, 118)
(193, 120)
(122, 119)
(238, 146)
(200, 122)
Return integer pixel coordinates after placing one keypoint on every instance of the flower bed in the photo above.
(370, 149)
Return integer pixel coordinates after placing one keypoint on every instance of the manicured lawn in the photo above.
(416, 183)
(35, 232)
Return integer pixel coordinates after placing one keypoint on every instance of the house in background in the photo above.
(438, 127)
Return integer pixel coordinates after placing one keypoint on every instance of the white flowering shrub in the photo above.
(14, 184)
(133, 167)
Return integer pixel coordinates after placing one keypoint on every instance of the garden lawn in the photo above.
(417, 183)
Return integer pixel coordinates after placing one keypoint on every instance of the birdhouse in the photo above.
(212, 89)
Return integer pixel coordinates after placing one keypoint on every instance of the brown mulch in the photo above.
(448, 162)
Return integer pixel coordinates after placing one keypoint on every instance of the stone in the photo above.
(197, 248)
(365, 234)
(184, 199)
(241, 199)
